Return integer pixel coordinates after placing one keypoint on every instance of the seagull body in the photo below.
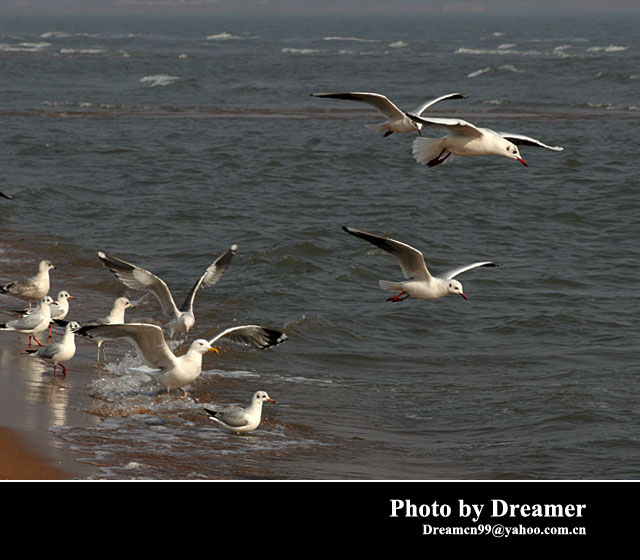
(59, 311)
(466, 139)
(241, 420)
(420, 284)
(34, 323)
(397, 119)
(182, 318)
(60, 351)
(33, 288)
(167, 369)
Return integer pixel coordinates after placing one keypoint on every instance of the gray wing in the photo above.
(146, 338)
(138, 278)
(49, 352)
(255, 335)
(521, 140)
(27, 322)
(213, 273)
(411, 260)
(234, 417)
(421, 108)
(376, 100)
(454, 272)
(456, 126)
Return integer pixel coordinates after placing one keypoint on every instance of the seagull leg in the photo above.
(54, 369)
(399, 297)
(438, 160)
(388, 133)
(39, 344)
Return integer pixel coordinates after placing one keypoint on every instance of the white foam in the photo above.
(398, 44)
(609, 48)
(224, 36)
(301, 51)
(160, 79)
(357, 39)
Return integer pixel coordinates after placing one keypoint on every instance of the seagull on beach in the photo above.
(59, 312)
(176, 372)
(241, 420)
(420, 284)
(115, 316)
(466, 139)
(182, 318)
(397, 119)
(33, 288)
(34, 323)
(60, 351)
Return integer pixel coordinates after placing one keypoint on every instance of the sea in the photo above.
(164, 138)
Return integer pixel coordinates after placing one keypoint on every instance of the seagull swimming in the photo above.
(34, 323)
(60, 351)
(466, 139)
(33, 288)
(420, 284)
(240, 420)
(182, 318)
(176, 372)
(397, 119)
(115, 316)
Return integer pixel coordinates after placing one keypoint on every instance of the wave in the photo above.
(609, 48)
(358, 39)
(493, 69)
(224, 36)
(398, 44)
(160, 79)
(23, 47)
(289, 50)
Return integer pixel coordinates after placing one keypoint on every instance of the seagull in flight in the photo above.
(181, 318)
(466, 139)
(397, 119)
(420, 284)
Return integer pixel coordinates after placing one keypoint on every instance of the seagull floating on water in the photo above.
(176, 372)
(397, 119)
(241, 420)
(60, 351)
(34, 323)
(420, 284)
(33, 288)
(466, 139)
(182, 318)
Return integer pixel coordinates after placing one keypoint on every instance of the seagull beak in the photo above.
(271, 400)
(465, 297)
(522, 162)
(213, 349)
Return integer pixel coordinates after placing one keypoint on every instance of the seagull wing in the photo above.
(521, 140)
(454, 126)
(411, 260)
(454, 272)
(376, 100)
(146, 338)
(210, 276)
(234, 417)
(421, 108)
(255, 335)
(138, 278)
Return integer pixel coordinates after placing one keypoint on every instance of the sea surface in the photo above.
(164, 139)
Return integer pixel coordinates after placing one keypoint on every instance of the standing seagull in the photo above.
(33, 288)
(239, 420)
(420, 284)
(59, 312)
(60, 351)
(169, 370)
(34, 323)
(466, 139)
(397, 119)
(182, 318)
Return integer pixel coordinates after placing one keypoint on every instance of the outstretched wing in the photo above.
(138, 278)
(421, 108)
(376, 100)
(255, 335)
(454, 272)
(521, 140)
(454, 126)
(210, 276)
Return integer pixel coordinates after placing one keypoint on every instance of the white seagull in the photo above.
(240, 420)
(182, 318)
(34, 323)
(466, 139)
(420, 284)
(33, 288)
(176, 372)
(60, 351)
(397, 119)
(59, 311)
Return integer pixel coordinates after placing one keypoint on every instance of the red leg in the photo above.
(399, 297)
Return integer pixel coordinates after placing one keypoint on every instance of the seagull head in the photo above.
(261, 396)
(455, 287)
(202, 346)
(513, 152)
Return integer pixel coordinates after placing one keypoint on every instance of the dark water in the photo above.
(164, 140)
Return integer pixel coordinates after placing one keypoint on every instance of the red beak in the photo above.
(522, 162)
(465, 297)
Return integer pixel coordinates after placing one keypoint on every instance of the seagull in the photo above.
(182, 318)
(239, 420)
(466, 139)
(60, 351)
(115, 316)
(33, 288)
(420, 284)
(34, 323)
(59, 312)
(169, 370)
(397, 119)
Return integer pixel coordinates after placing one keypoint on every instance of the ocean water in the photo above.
(162, 140)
